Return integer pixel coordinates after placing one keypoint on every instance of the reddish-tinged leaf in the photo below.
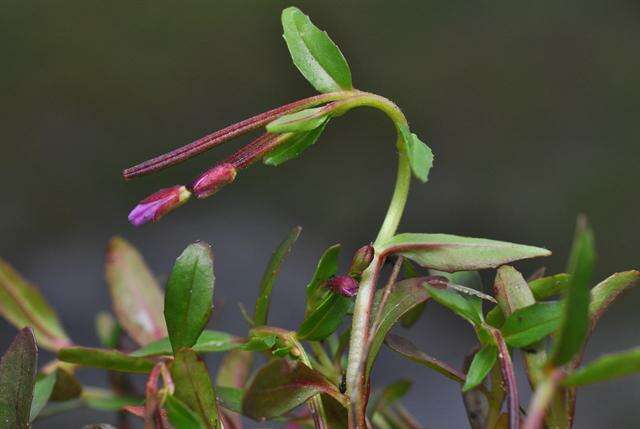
(193, 386)
(135, 294)
(23, 305)
(282, 385)
(608, 290)
(18, 369)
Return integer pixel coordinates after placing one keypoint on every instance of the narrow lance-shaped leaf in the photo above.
(419, 154)
(467, 307)
(606, 368)
(41, 393)
(18, 369)
(135, 294)
(405, 295)
(314, 53)
(208, 342)
(193, 385)
(454, 253)
(23, 305)
(481, 365)
(261, 312)
(282, 385)
(608, 290)
(189, 297)
(412, 316)
(293, 146)
(325, 319)
(531, 324)
(408, 350)
(304, 120)
(105, 400)
(575, 321)
(105, 359)
(180, 416)
(327, 267)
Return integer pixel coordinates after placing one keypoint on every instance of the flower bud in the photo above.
(361, 260)
(344, 285)
(212, 180)
(159, 204)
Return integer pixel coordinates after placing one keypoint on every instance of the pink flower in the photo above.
(344, 285)
(213, 179)
(159, 204)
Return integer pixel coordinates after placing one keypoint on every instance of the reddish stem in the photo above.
(509, 378)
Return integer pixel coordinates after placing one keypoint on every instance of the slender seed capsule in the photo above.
(213, 179)
(361, 260)
(152, 208)
(344, 285)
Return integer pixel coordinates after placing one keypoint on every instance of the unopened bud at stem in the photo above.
(361, 260)
(152, 208)
(212, 180)
(344, 285)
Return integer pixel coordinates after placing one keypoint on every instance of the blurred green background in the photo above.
(531, 109)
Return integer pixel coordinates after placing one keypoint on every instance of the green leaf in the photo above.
(547, 287)
(511, 290)
(259, 342)
(467, 307)
(409, 351)
(405, 295)
(105, 400)
(327, 267)
(282, 385)
(105, 359)
(304, 120)
(606, 368)
(261, 312)
(108, 330)
(189, 297)
(18, 369)
(325, 319)
(314, 53)
(419, 154)
(180, 416)
(531, 324)
(293, 146)
(230, 398)
(481, 365)
(23, 305)
(41, 393)
(193, 385)
(135, 294)
(606, 292)
(575, 321)
(208, 342)
(67, 386)
(454, 253)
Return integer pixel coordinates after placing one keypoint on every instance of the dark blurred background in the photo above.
(531, 109)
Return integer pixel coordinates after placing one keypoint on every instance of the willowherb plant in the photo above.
(318, 366)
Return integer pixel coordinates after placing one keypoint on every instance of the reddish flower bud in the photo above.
(361, 260)
(344, 285)
(159, 204)
(212, 180)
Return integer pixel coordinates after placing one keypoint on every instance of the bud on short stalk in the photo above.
(213, 179)
(344, 285)
(152, 208)
(361, 260)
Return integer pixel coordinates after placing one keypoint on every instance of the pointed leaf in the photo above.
(408, 350)
(454, 253)
(23, 305)
(208, 342)
(327, 267)
(481, 365)
(282, 385)
(467, 307)
(193, 385)
(105, 359)
(304, 120)
(547, 287)
(512, 290)
(180, 416)
(325, 319)
(404, 296)
(230, 398)
(41, 393)
(314, 53)
(189, 297)
(18, 369)
(529, 325)
(294, 146)
(606, 292)
(261, 312)
(419, 154)
(575, 321)
(606, 368)
(135, 294)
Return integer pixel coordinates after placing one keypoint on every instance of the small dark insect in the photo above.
(343, 383)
